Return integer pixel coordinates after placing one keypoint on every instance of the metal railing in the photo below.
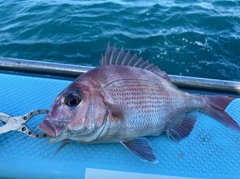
(67, 70)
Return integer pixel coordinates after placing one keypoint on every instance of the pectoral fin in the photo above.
(141, 148)
(64, 143)
(120, 111)
(182, 130)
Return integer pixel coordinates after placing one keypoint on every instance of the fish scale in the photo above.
(153, 100)
(125, 99)
(143, 96)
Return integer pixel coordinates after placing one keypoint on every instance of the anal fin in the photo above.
(141, 148)
(183, 129)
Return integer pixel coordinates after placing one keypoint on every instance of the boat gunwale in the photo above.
(69, 70)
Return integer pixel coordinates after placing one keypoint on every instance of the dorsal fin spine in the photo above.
(155, 71)
(131, 59)
(111, 56)
(114, 57)
(106, 52)
(155, 68)
(136, 63)
(118, 55)
(149, 67)
(146, 62)
(140, 64)
(124, 58)
(101, 61)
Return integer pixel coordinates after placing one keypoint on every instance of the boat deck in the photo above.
(211, 150)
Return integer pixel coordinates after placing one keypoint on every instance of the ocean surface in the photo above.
(192, 38)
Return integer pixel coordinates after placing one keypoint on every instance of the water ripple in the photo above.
(200, 38)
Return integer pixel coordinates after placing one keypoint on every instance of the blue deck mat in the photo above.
(211, 151)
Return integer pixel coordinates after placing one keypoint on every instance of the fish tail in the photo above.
(216, 108)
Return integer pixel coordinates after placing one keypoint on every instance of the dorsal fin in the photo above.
(114, 57)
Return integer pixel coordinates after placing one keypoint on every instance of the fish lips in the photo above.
(53, 128)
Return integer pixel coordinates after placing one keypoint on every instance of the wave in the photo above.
(200, 38)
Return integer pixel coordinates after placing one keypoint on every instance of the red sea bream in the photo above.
(125, 99)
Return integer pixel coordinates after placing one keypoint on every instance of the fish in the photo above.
(127, 99)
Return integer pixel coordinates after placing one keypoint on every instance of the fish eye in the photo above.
(72, 99)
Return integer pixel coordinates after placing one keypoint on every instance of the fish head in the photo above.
(78, 113)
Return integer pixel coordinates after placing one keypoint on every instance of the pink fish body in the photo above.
(124, 100)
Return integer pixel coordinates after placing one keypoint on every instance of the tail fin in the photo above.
(216, 107)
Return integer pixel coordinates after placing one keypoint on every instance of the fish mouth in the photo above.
(59, 138)
(48, 128)
(53, 129)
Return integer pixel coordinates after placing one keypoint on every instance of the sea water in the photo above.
(191, 38)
